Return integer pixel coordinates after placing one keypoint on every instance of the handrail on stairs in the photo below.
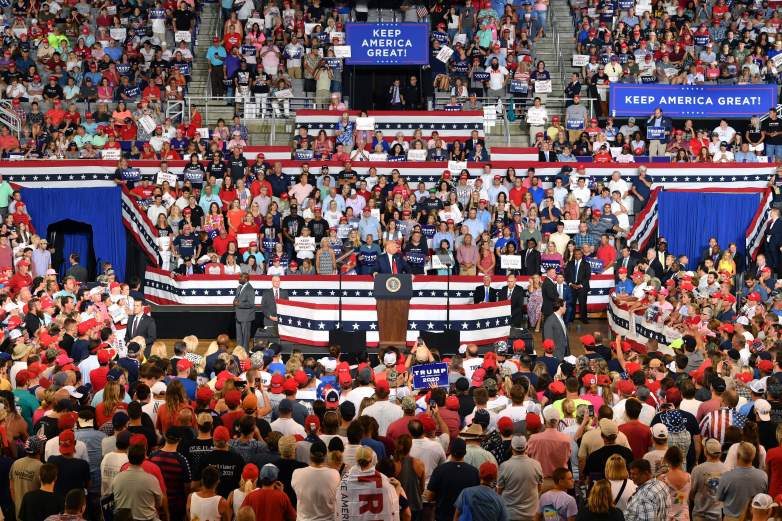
(9, 118)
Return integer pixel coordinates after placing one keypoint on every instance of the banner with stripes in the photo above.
(757, 228)
(309, 324)
(481, 323)
(646, 222)
(163, 288)
(447, 123)
(636, 327)
(137, 223)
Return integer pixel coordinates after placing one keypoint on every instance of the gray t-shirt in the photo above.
(519, 478)
(738, 487)
(705, 480)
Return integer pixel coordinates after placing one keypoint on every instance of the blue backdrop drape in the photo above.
(99, 207)
(74, 242)
(688, 219)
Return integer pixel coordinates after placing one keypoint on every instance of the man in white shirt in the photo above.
(383, 411)
(285, 424)
(52, 447)
(112, 462)
(316, 486)
(498, 76)
(364, 390)
(428, 450)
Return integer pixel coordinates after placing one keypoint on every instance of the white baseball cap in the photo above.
(763, 410)
(763, 502)
(660, 432)
(744, 321)
(757, 386)
(158, 388)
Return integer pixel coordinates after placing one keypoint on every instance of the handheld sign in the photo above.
(510, 262)
(429, 375)
(542, 86)
(367, 123)
(342, 51)
(580, 60)
(445, 54)
(182, 36)
(655, 133)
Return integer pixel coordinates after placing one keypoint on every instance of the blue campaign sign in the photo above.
(428, 375)
(387, 43)
(707, 101)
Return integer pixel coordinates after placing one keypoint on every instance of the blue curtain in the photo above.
(688, 219)
(74, 242)
(99, 207)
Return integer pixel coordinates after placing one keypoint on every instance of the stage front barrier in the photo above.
(634, 326)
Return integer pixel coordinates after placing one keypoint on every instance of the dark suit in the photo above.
(209, 364)
(516, 304)
(469, 144)
(620, 263)
(483, 157)
(269, 308)
(579, 277)
(549, 291)
(554, 329)
(531, 262)
(244, 308)
(655, 268)
(479, 295)
(546, 157)
(145, 328)
(773, 240)
(384, 265)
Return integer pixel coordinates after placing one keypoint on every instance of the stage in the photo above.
(206, 322)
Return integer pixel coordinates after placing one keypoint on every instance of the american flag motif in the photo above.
(162, 288)
(757, 228)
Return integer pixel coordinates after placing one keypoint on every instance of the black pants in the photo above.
(216, 78)
(580, 300)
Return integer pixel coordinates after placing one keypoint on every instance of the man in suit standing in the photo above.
(773, 240)
(484, 292)
(577, 275)
(141, 324)
(515, 294)
(545, 154)
(530, 258)
(549, 291)
(554, 329)
(391, 261)
(564, 293)
(655, 267)
(625, 261)
(269, 305)
(244, 308)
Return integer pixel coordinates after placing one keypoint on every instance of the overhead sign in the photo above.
(387, 44)
(708, 101)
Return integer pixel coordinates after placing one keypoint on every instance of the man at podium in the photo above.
(391, 261)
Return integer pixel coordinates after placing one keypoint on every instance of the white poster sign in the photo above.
(580, 60)
(342, 51)
(510, 262)
(367, 123)
(542, 86)
(445, 54)
(243, 240)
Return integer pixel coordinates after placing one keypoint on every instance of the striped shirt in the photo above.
(716, 423)
(176, 474)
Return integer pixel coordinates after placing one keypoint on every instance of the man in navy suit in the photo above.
(391, 261)
(577, 275)
(773, 240)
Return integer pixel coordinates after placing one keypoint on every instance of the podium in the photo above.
(392, 294)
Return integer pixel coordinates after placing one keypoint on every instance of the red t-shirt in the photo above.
(270, 504)
(774, 467)
(98, 377)
(639, 436)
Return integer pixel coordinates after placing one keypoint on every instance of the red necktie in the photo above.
(393, 266)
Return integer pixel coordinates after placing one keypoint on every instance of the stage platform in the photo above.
(206, 322)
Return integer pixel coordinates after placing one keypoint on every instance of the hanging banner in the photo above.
(388, 43)
(708, 101)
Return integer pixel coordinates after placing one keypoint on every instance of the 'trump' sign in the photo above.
(708, 101)
(388, 44)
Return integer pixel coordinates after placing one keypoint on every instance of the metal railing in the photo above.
(9, 118)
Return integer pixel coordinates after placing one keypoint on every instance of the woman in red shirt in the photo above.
(227, 192)
(113, 395)
(176, 400)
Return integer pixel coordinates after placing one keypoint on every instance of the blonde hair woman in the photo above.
(622, 487)
(158, 349)
(600, 505)
(191, 345)
(247, 484)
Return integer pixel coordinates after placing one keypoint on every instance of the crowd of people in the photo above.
(88, 77)
(232, 216)
(654, 137)
(99, 418)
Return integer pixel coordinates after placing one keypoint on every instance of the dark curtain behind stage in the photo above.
(368, 87)
(99, 208)
(68, 237)
(688, 219)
